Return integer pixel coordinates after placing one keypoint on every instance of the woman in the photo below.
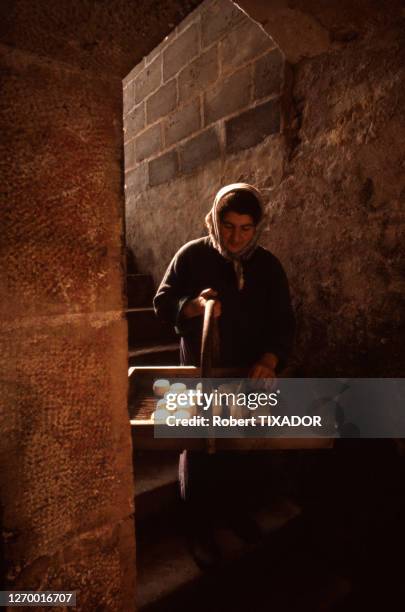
(256, 329)
(253, 307)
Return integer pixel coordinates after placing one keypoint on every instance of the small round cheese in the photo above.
(161, 404)
(161, 386)
(170, 398)
(161, 415)
(184, 413)
(189, 408)
(178, 388)
(170, 402)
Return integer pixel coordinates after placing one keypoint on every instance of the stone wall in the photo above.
(65, 452)
(338, 218)
(209, 92)
(333, 176)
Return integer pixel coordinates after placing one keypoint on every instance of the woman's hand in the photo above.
(196, 307)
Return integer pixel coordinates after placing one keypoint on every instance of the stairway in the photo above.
(151, 342)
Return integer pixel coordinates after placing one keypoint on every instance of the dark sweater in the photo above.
(256, 320)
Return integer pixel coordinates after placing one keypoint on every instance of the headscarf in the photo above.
(212, 221)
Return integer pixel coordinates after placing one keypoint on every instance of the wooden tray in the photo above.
(142, 403)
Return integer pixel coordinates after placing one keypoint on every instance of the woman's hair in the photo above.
(242, 202)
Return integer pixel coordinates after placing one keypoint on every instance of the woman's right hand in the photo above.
(196, 307)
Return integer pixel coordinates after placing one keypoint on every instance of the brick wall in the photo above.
(209, 91)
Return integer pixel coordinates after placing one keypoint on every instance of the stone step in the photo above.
(140, 290)
(164, 566)
(156, 483)
(144, 327)
(155, 354)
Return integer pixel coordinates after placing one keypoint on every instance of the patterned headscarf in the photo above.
(212, 221)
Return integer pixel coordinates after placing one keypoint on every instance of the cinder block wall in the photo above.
(192, 108)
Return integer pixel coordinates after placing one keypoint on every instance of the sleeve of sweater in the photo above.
(281, 329)
(172, 293)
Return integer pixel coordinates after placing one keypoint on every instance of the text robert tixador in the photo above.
(253, 421)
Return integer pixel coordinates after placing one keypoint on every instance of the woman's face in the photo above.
(236, 231)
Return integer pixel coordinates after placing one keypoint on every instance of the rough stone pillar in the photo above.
(65, 451)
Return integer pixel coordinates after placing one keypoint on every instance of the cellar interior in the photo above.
(119, 122)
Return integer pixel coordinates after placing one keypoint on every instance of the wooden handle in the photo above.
(208, 340)
(209, 353)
